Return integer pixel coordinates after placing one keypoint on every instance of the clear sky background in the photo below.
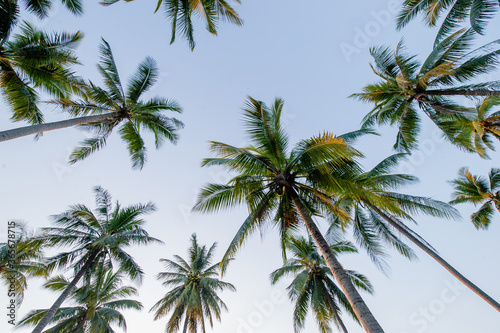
(312, 55)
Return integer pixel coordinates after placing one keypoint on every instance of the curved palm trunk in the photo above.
(335, 311)
(34, 129)
(362, 311)
(438, 258)
(48, 316)
(461, 92)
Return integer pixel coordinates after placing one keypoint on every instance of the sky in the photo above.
(313, 58)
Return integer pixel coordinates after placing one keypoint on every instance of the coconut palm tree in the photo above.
(478, 191)
(193, 296)
(33, 59)
(286, 188)
(96, 307)
(313, 286)
(406, 84)
(97, 238)
(21, 258)
(478, 12)
(475, 131)
(106, 108)
(378, 210)
(180, 12)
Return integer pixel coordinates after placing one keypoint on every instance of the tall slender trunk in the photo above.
(34, 129)
(335, 311)
(360, 308)
(461, 92)
(48, 316)
(438, 258)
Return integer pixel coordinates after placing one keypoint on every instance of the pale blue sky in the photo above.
(313, 57)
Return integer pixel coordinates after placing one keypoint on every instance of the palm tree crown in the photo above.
(478, 190)
(119, 106)
(96, 307)
(34, 59)
(193, 296)
(406, 84)
(313, 285)
(267, 172)
(181, 12)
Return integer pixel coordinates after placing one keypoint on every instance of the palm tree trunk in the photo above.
(438, 258)
(360, 308)
(48, 316)
(34, 129)
(335, 311)
(461, 92)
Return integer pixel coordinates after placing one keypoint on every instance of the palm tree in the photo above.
(406, 84)
(21, 257)
(377, 210)
(180, 13)
(313, 287)
(96, 307)
(194, 294)
(98, 239)
(475, 131)
(478, 190)
(478, 12)
(34, 59)
(105, 109)
(284, 187)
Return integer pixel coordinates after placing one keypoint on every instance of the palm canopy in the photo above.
(125, 108)
(406, 84)
(313, 286)
(478, 12)
(285, 187)
(475, 130)
(21, 257)
(181, 12)
(105, 232)
(96, 305)
(194, 287)
(478, 191)
(266, 170)
(33, 59)
(376, 191)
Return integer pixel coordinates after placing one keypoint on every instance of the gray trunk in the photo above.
(438, 258)
(360, 308)
(35, 129)
(48, 316)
